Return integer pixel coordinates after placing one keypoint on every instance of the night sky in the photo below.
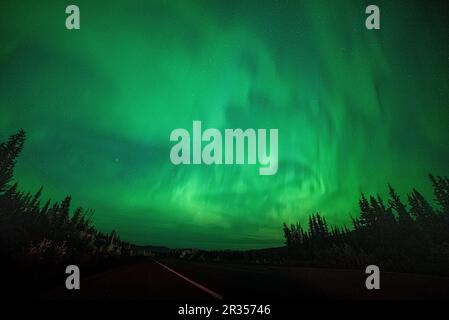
(355, 108)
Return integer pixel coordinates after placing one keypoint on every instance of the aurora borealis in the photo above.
(355, 108)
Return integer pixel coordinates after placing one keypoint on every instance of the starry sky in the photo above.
(355, 109)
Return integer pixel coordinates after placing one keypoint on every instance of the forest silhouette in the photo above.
(412, 237)
(37, 238)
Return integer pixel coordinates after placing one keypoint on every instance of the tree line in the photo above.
(410, 236)
(396, 235)
(37, 234)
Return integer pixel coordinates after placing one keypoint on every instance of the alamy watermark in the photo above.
(227, 148)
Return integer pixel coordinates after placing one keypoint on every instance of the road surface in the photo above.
(184, 281)
(141, 280)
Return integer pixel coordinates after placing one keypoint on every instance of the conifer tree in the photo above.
(395, 202)
(441, 191)
(9, 151)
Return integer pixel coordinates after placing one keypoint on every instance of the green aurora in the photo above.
(355, 109)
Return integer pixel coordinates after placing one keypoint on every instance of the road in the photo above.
(141, 280)
(183, 281)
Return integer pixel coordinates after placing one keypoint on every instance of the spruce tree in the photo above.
(9, 151)
(441, 191)
(395, 202)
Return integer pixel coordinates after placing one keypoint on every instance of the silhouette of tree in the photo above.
(31, 234)
(9, 151)
(404, 219)
(441, 191)
(367, 219)
(385, 232)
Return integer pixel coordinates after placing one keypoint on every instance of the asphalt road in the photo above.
(268, 283)
(142, 280)
(176, 280)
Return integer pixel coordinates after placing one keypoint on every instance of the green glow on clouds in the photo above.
(355, 109)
